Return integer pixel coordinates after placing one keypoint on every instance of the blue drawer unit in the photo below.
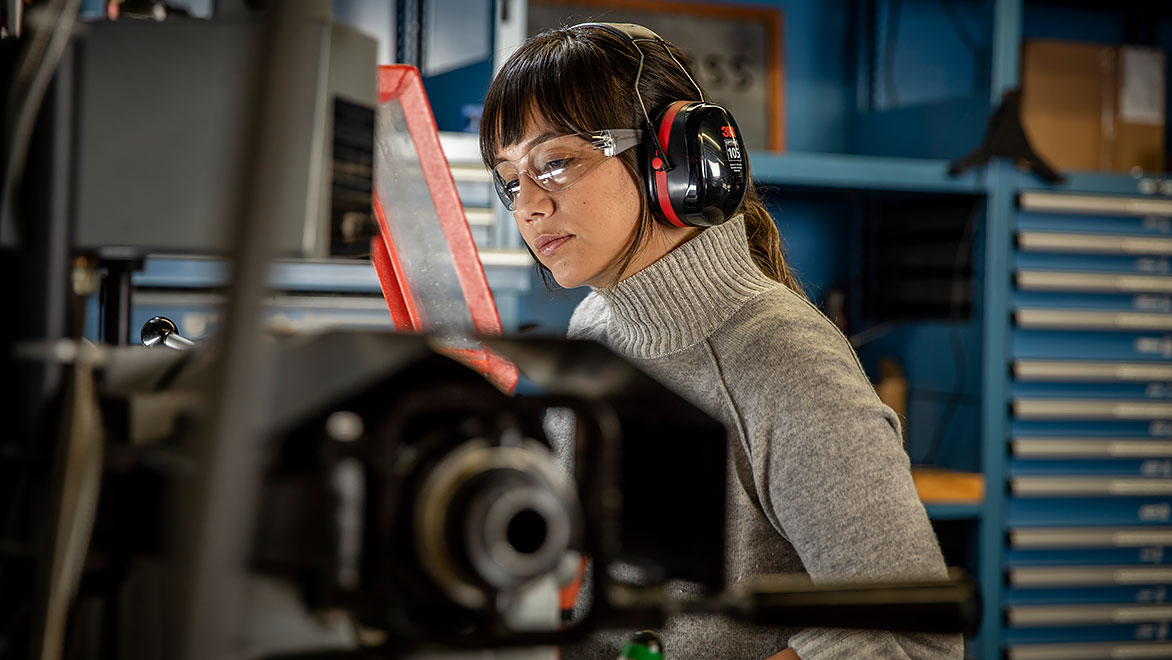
(1062, 310)
(1088, 556)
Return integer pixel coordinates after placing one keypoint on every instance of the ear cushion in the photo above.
(705, 176)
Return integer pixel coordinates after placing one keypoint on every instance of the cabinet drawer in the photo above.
(1039, 512)
(1088, 486)
(1075, 319)
(1057, 280)
(1051, 576)
(1077, 345)
(1093, 206)
(1090, 409)
(1078, 615)
(1042, 447)
(1134, 651)
(1078, 371)
(1090, 537)
(1092, 311)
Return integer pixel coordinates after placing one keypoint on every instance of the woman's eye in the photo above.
(556, 165)
(510, 185)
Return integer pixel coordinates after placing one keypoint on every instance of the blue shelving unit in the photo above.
(861, 172)
(1000, 184)
(999, 565)
(1033, 497)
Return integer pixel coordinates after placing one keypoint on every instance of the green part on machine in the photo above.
(636, 651)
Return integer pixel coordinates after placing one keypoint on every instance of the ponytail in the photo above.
(765, 242)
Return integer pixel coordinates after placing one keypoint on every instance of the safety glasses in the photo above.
(560, 162)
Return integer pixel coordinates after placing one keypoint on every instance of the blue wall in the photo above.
(941, 112)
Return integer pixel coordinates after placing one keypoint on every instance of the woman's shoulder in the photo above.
(781, 315)
(590, 318)
(780, 330)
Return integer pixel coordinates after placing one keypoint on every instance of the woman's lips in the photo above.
(547, 245)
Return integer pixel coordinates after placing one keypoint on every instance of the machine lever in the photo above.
(162, 331)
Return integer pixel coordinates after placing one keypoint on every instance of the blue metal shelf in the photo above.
(848, 171)
(506, 272)
(350, 276)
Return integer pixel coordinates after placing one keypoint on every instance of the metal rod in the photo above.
(211, 571)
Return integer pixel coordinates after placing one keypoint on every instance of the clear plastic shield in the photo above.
(426, 260)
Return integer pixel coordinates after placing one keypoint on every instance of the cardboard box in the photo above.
(1094, 106)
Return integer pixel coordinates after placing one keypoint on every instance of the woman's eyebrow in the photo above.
(548, 135)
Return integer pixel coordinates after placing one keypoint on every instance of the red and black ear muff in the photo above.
(704, 178)
(695, 163)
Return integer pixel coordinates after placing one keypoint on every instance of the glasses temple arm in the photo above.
(615, 141)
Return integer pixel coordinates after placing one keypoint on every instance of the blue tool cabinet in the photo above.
(1088, 479)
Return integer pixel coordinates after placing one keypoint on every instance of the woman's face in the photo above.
(580, 233)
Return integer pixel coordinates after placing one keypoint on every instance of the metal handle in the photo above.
(162, 331)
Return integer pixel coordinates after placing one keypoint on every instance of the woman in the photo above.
(820, 482)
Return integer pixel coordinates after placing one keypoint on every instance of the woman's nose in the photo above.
(532, 200)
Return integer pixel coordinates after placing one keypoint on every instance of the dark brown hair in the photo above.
(582, 79)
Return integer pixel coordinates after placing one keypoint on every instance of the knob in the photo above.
(161, 331)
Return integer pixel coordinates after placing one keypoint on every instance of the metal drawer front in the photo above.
(1090, 537)
(1090, 448)
(1052, 576)
(1150, 511)
(1073, 319)
(1094, 204)
(1079, 486)
(1093, 243)
(1047, 280)
(1071, 371)
(1134, 651)
(1074, 615)
(1090, 409)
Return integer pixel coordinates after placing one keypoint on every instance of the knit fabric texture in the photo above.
(819, 481)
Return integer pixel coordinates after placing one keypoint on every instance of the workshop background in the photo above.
(1020, 324)
(1005, 318)
(976, 192)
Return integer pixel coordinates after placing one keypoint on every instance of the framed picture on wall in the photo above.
(736, 51)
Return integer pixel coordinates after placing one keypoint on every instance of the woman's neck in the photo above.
(662, 239)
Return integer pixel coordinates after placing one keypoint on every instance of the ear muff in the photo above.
(705, 177)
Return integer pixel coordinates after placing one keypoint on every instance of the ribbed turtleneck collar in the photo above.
(685, 296)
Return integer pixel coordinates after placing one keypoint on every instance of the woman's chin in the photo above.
(568, 282)
(568, 279)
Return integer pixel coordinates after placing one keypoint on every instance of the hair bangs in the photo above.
(552, 79)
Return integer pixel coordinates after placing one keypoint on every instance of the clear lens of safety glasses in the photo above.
(559, 163)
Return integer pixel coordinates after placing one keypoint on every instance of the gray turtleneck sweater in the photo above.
(819, 481)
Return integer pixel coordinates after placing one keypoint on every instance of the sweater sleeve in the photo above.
(830, 471)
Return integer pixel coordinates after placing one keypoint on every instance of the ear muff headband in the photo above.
(633, 34)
